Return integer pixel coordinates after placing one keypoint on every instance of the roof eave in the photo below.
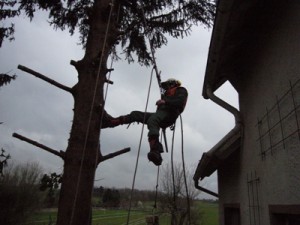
(214, 158)
(212, 79)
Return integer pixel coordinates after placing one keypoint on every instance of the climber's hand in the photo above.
(160, 102)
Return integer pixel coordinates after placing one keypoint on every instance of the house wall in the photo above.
(266, 172)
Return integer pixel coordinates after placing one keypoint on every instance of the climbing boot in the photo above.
(106, 120)
(109, 121)
(155, 149)
(119, 121)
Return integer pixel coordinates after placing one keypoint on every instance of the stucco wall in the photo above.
(269, 170)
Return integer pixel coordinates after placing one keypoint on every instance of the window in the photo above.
(284, 214)
(232, 214)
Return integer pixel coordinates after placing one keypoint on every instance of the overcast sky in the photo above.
(39, 111)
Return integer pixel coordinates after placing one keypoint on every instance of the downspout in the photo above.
(223, 104)
(234, 131)
(205, 190)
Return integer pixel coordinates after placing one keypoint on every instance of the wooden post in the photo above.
(152, 220)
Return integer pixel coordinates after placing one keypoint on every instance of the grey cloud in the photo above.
(42, 112)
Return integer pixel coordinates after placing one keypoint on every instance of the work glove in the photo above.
(160, 102)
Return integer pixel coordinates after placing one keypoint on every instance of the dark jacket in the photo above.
(175, 99)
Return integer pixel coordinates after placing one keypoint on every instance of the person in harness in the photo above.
(169, 107)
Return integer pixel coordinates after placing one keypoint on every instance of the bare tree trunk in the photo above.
(83, 151)
(182, 218)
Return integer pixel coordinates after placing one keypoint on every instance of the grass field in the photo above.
(209, 212)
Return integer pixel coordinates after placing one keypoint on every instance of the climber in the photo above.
(169, 107)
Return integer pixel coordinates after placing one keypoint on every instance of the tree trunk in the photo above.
(84, 148)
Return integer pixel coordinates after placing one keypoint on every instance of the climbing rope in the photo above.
(172, 167)
(105, 94)
(163, 132)
(156, 190)
(164, 135)
(184, 173)
(159, 84)
(139, 149)
(152, 53)
(90, 114)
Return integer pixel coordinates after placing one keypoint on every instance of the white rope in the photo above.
(152, 54)
(90, 115)
(172, 165)
(102, 113)
(139, 149)
(184, 174)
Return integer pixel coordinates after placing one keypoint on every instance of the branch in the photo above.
(112, 155)
(38, 75)
(22, 138)
(73, 63)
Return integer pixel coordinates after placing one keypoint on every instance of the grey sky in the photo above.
(37, 110)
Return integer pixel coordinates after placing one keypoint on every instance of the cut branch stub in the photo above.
(35, 143)
(43, 77)
(112, 155)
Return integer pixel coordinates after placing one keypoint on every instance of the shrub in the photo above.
(19, 193)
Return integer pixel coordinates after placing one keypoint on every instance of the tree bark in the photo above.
(83, 151)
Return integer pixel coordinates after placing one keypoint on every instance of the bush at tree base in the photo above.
(19, 193)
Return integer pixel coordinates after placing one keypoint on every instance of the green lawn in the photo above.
(115, 217)
(209, 212)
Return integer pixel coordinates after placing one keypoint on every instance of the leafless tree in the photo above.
(178, 196)
(19, 192)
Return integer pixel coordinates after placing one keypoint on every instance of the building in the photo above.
(255, 46)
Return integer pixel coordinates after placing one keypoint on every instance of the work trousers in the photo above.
(154, 121)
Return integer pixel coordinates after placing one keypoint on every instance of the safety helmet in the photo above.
(170, 83)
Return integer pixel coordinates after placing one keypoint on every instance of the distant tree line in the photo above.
(120, 197)
(24, 189)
